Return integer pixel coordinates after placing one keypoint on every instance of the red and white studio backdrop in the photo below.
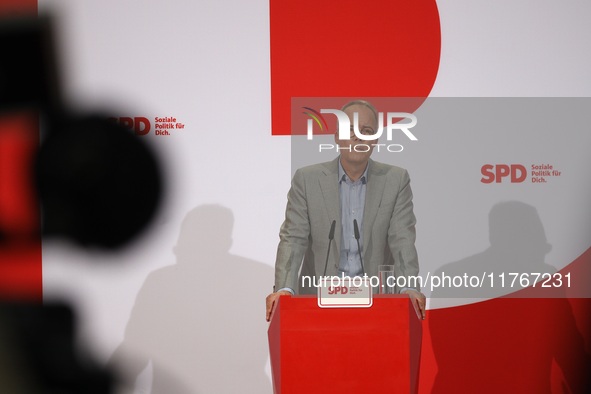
(499, 171)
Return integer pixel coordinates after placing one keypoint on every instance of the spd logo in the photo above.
(514, 173)
(338, 290)
(139, 124)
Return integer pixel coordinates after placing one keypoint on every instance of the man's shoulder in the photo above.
(387, 169)
(319, 168)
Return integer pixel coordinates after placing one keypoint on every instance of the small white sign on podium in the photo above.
(344, 292)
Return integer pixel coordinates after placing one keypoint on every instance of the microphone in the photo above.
(330, 237)
(356, 229)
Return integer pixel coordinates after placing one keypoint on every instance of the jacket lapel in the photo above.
(373, 196)
(330, 192)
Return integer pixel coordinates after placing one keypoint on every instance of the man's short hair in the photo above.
(364, 103)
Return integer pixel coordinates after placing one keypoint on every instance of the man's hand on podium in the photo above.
(418, 299)
(272, 302)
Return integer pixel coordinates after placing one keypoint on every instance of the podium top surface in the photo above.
(303, 312)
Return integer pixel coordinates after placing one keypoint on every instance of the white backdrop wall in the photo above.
(206, 63)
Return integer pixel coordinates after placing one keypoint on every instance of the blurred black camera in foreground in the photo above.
(38, 353)
(96, 183)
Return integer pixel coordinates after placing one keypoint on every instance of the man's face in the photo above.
(367, 126)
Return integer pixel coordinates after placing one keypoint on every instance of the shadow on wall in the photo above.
(508, 344)
(201, 321)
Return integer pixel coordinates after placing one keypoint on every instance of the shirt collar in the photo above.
(344, 177)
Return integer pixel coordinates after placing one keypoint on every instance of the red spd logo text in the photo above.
(514, 173)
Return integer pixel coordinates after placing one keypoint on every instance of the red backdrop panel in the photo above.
(327, 48)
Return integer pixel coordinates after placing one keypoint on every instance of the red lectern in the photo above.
(345, 350)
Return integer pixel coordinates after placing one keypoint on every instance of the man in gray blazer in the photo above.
(351, 187)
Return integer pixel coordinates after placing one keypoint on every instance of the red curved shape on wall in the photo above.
(327, 48)
(512, 345)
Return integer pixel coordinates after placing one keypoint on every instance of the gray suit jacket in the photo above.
(313, 203)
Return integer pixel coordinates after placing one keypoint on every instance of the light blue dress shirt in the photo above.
(352, 196)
